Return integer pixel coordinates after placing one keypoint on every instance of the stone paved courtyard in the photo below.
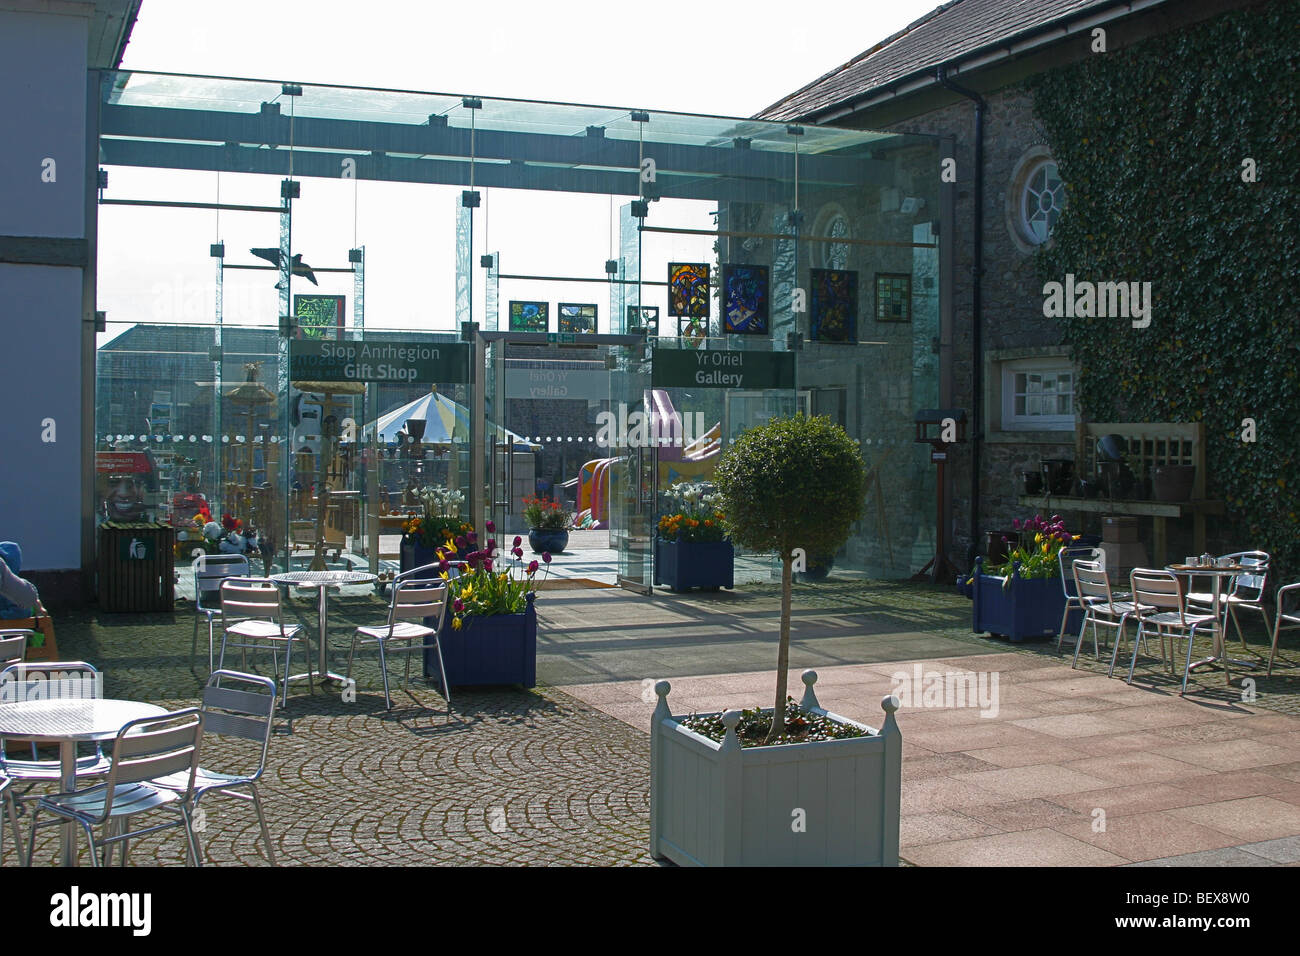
(560, 775)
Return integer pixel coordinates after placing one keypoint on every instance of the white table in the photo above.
(322, 581)
(68, 723)
(1219, 655)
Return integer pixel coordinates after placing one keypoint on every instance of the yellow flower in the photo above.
(455, 624)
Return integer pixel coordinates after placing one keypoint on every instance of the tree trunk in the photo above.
(783, 653)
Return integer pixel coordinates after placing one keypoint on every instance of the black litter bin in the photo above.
(136, 566)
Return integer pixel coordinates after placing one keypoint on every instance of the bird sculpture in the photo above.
(298, 267)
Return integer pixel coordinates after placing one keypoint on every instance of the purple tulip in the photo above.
(1015, 523)
(532, 567)
(546, 556)
(1005, 539)
(458, 605)
(487, 565)
(518, 541)
(491, 544)
(460, 542)
(518, 552)
(491, 525)
(471, 537)
(444, 565)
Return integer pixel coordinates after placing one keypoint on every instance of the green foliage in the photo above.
(1151, 141)
(791, 483)
(545, 514)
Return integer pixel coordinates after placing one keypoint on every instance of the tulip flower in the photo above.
(546, 556)
(491, 525)
(518, 552)
(518, 541)
(532, 567)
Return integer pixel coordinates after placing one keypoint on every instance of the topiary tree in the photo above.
(790, 483)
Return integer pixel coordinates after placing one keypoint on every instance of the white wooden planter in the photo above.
(826, 803)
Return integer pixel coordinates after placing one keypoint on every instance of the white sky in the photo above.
(729, 59)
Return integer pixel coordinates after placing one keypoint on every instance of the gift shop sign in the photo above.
(399, 362)
(718, 368)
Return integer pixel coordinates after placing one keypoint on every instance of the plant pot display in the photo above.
(1031, 483)
(438, 527)
(489, 633)
(1020, 597)
(818, 567)
(719, 797)
(789, 483)
(691, 550)
(548, 525)
(1172, 482)
(1058, 475)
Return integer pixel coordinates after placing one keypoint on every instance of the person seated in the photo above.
(18, 596)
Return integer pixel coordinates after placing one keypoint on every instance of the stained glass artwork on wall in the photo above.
(688, 289)
(833, 309)
(744, 299)
(319, 316)
(643, 317)
(530, 316)
(693, 332)
(893, 297)
(575, 317)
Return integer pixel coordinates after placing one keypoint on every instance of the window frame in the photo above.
(1013, 422)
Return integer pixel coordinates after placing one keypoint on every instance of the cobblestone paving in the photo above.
(514, 777)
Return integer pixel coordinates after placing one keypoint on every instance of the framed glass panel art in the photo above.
(530, 316)
(643, 317)
(693, 332)
(688, 289)
(744, 299)
(576, 317)
(833, 311)
(893, 297)
(319, 316)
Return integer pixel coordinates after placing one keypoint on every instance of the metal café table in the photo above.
(68, 722)
(322, 581)
(1218, 655)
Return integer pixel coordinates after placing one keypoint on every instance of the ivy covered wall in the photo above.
(1151, 141)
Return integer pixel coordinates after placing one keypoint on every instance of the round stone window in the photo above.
(832, 223)
(1036, 199)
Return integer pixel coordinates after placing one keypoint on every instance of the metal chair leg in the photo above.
(1187, 667)
(193, 850)
(261, 821)
(1087, 615)
(383, 669)
(1137, 639)
(1272, 651)
(1061, 633)
(446, 687)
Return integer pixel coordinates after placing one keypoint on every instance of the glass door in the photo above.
(634, 467)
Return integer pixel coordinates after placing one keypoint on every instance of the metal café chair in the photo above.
(252, 613)
(1065, 559)
(414, 596)
(1245, 591)
(33, 681)
(1101, 608)
(209, 571)
(143, 750)
(1292, 619)
(12, 812)
(13, 645)
(1162, 593)
(244, 709)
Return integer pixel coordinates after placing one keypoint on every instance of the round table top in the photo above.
(315, 578)
(1197, 569)
(71, 719)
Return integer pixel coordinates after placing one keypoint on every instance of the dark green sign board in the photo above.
(403, 363)
(718, 368)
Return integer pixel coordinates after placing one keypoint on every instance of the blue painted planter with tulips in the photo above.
(1025, 610)
(498, 649)
(694, 564)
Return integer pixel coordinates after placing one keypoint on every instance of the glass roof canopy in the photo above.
(260, 126)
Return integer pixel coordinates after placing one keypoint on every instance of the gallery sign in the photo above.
(393, 362)
(719, 368)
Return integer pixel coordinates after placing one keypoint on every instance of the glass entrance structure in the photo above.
(312, 289)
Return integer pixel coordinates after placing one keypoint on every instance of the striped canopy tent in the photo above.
(445, 421)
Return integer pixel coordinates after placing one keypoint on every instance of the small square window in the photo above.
(1037, 395)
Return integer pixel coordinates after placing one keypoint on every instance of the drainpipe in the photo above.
(977, 313)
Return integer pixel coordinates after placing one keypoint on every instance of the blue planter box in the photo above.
(417, 556)
(500, 649)
(1029, 609)
(694, 564)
